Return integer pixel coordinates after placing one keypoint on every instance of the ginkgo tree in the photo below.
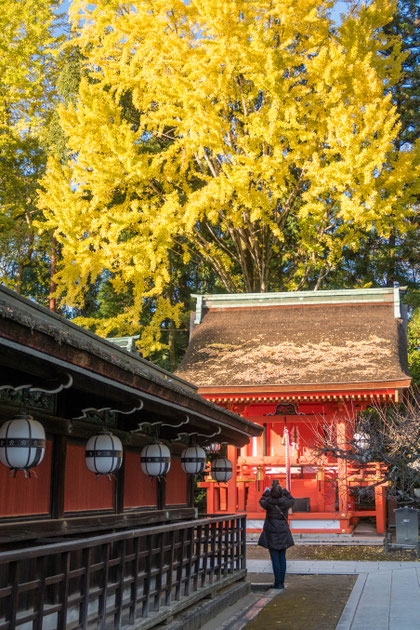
(31, 33)
(261, 145)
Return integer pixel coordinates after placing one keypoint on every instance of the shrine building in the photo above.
(299, 364)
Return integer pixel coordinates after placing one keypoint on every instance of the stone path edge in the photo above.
(242, 619)
(350, 608)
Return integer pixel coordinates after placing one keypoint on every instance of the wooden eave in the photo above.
(308, 387)
(18, 309)
(335, 392)
(36, 346)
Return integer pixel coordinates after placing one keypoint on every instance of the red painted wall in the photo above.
(176, 484)
(20, 496)
(82, 490)
(140, 490)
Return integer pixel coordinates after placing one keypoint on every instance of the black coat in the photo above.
(276, 533)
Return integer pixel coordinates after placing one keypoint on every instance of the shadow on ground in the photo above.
(310, 602)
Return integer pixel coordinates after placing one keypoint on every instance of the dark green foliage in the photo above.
(67, 87)
(407, 91)
(413, 301)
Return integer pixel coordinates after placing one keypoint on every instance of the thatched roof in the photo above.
(296, 344)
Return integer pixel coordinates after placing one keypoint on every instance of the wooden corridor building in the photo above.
(80, 550)
(305, 362)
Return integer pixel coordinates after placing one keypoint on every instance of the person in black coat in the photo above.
(276, 535)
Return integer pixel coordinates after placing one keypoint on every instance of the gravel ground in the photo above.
(336, 552)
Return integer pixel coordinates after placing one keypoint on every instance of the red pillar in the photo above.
(241, 497)
(320, 477)
(380, 507)
(254, 496)
(231, 486)
(343, 493)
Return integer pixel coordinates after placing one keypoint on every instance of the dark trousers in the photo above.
(278, 560)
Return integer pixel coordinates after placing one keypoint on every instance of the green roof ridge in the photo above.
(283, 298)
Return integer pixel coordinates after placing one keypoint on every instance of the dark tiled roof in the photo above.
(85, 347)
(345, 343)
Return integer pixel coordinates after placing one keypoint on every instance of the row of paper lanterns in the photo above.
(22, 447)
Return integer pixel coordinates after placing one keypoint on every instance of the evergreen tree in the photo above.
(406, 92)
(28, 67)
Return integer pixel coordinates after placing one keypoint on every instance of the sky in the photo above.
(340, 7)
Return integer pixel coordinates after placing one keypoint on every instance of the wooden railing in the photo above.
(111, 581)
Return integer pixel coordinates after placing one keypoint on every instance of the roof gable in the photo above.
(294, 339)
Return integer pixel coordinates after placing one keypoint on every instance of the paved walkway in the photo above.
(386, 595)
(330, 566)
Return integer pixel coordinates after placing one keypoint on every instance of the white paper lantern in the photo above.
(361, 441)
(193, 460)
(221, 469)
(155, 460)
(22, 443)
(104, 454)
(212, 448)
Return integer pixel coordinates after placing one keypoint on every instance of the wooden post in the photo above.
(85, 586)
(58, 476)
(64, 593)
(320, 476)
(231, 486)
(253, 498)
(275, 439)
(380, 507)
(343, 493)
(210, 498)
(161, 493)
(241, 497)
(119, 490)
(223, 498)
(260, 446)
(287, 459)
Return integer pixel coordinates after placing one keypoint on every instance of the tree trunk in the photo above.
(391, 262)
(171, 343)
(19, 277)
(53, 286)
